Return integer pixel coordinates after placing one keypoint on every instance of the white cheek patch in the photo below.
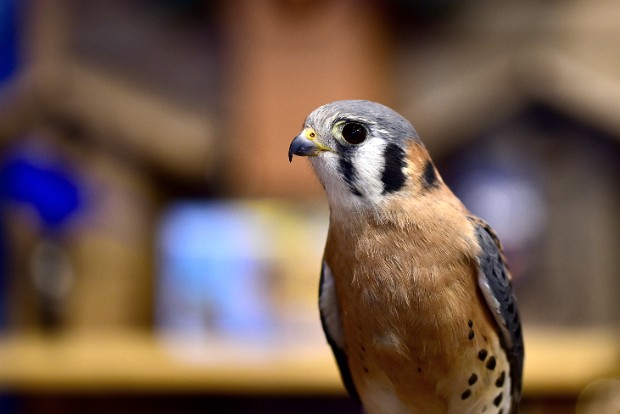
(326, 167)
(369, 164)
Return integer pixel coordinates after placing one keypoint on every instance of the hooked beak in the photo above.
(305, 145)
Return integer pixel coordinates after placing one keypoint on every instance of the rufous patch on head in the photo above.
(429, 177)
(421, 169)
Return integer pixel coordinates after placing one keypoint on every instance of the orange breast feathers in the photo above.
(408, 297)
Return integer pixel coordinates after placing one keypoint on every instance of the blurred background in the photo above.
(159, 253)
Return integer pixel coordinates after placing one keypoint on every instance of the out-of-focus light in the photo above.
(510, 203)
(601, 396)
(506, 188)
(238, 269)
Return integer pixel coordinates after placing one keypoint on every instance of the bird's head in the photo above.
(363, 153)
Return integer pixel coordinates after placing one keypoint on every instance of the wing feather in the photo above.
(495, 282)
(332, 325)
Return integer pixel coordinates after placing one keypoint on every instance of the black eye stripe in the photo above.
(346, 168)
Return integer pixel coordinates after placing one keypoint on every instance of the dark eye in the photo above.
(354, 133)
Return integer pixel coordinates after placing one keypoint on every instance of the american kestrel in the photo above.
(415, 296)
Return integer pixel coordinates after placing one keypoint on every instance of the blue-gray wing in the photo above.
(332, 325)
(495, 283)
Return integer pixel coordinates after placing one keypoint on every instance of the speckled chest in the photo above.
(416, 332)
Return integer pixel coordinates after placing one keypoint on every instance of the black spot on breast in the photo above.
(366, 370)
(500, 380)
(471, 335)
(472, 379)
(482, 355)
(498, 400)
(429, 176)
(491, 363)
(470, 323)
(466, 394)
(419, 369)
(393, 177)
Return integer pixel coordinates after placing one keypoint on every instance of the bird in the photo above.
(415, 296)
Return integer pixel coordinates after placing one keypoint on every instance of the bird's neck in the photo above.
(423, 232)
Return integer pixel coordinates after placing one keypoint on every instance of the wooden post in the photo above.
(284, 59)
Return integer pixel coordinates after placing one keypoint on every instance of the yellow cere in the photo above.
(310, 135)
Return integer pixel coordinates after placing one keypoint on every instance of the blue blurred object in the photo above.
(36, 180)
(214, 267)
(8, 39)
(8, 63)
(48, 187)
(510, 199)
(8, 66)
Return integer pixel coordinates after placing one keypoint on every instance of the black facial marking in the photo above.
(491, 363)
(482, 355)
(393, 177)
(498, 400)
(429, 176)
(466, 394)
(345, 166)
(500, 381)
(472, 380)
